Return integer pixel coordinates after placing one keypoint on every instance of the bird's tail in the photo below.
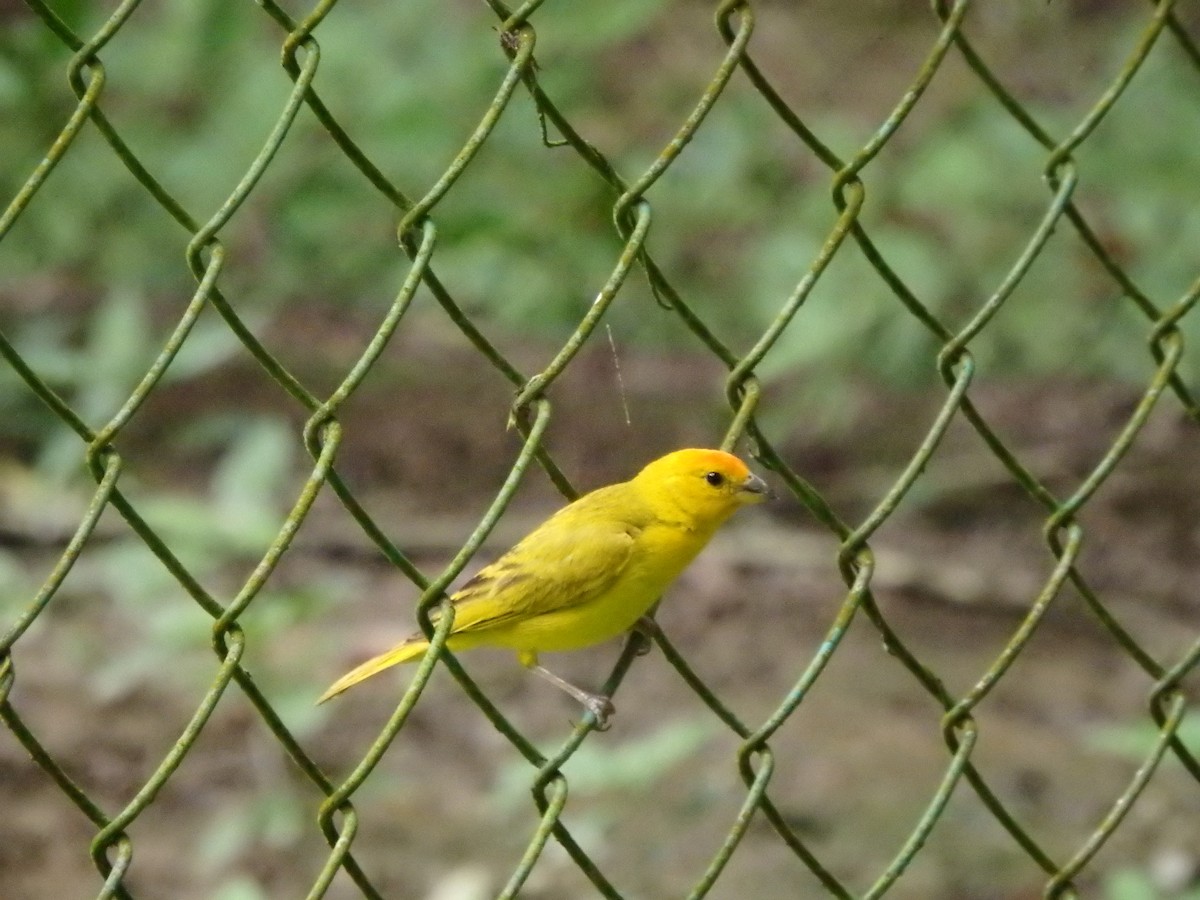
(408, 650)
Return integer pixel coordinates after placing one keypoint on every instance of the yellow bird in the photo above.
(593, 569)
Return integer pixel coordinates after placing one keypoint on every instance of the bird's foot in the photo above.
(601, 708)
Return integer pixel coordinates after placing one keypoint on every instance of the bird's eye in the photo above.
(716, 479)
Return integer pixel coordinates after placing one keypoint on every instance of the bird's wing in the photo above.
(552, 569)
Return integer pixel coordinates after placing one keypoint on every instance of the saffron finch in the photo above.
(592, 570)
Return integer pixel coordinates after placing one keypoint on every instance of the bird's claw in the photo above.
(601, 708)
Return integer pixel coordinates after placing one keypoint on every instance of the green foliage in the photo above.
(1133, 884)
(240, 888)
(526, 239)
(1137, 740)
(952, 213)
(632, 765)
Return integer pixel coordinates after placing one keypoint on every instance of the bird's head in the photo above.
(707, 485)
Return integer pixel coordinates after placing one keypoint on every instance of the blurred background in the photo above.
(93, 278)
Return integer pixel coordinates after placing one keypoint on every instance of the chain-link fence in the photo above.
(632, 207)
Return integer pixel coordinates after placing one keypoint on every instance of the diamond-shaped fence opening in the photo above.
(669, 177)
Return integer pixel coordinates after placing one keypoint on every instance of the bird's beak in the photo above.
(755, 490)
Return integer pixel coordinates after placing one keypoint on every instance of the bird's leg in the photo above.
(597, 704)
(642, 634)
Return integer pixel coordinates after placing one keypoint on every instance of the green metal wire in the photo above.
(632, 198)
